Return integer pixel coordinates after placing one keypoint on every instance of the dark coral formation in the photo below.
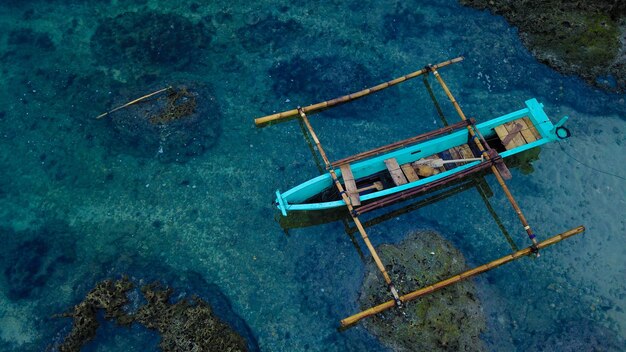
(450, 319)
(31, 263)
(27, 36)
(306, 81)
(187, 325)
(150, 38)
(181, 123)
(268, 33)
(575, 37)
(402, 23)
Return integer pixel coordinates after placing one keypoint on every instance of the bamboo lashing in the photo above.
(462, 276)
(133, 102)
(355, 218)
(346, 98)
(494, 169)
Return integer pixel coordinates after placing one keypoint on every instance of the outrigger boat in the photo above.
(392, 173)
(418, 163)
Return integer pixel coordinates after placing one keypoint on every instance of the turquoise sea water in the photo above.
(80, 202)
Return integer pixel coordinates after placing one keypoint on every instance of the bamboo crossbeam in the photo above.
(133, 102)
(494, 169)
(348, 203)
(462, 276)
(346, 98)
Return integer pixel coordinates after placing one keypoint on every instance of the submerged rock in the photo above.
(180, 123)
(581, 37)
(187, 325)
(450, 319)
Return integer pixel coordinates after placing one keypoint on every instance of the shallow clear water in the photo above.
(78, 206)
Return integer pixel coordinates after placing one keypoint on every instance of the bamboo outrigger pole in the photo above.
(133, 102)
(346, 98)
(355, 218)
(494, 169)
(462, 276)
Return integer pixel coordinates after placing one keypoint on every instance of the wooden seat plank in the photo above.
(409, 172)
(396, 172)
(348, 180)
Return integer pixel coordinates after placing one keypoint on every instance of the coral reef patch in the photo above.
(187, 325)
(178, 124)
(150, 38)
(450, 319)
(587, 38)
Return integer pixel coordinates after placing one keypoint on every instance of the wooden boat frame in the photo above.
(491, 159)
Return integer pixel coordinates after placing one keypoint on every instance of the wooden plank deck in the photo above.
(517, 133)
(348, 180)
(396, 172)
(409, 172)
(532, 127)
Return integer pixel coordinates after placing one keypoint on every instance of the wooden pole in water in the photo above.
(495, 171)
(355, 218)
(133, 102)
(346, 98)
(460, 277)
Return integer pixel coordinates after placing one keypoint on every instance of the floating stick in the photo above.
(348, 203)
(460, 277)
(133, 102)
(494, 169)
(346, 98)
